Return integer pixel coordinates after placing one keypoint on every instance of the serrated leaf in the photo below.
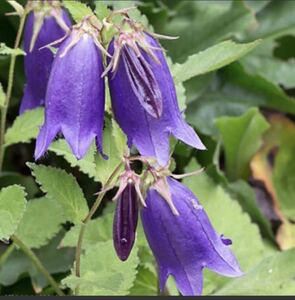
(86, 164)
(25, 127)
(101, 10)
(5, 50)
(114, 145)
(12, 208)
(227, 218)
(242, 137)
(41, 222)
(77, 9)
(2, 96)
(62, 188)
(19, 265)
(102, 273)
(97, 230)
(211, 59)
(272, 276)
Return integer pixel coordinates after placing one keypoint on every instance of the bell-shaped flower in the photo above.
(46, 23)
(75, 98)
(143, 96)
(184, 243)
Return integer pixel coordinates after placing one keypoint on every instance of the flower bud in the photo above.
(125, 221)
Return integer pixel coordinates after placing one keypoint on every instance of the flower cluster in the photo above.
(145, 105)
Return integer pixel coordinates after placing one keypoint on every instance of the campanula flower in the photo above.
(143, 96)
(184, 243)
(75, 98)
(47, 23)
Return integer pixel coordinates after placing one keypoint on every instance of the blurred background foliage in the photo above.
(244, 113)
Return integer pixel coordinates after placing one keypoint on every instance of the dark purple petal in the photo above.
(75, 98)
(143, 82)
(183, 245)
(125, 222)
(150, 135)
(38, 62)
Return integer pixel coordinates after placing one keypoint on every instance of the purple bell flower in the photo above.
(51, 26)
(186, 243)
(75, 97)
(143, 96)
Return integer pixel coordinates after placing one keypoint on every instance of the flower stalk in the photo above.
(92, 211)
(4, 108)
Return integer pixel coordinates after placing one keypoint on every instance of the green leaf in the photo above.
(262, 61)
(232, 94)
(18, 265)
(101, 10)
(12, 208)
(77, 9)
(5, 50)
(97, 230)
(102, 273)
(25, 127)
(114, 145)
(145, 283)
(211, 59)
(272, 276)
(227, 218)
(86, 164)
(41, 222)
(2, 96)
(63, 188)
(275, 20)
(201, 24)
(242, 137)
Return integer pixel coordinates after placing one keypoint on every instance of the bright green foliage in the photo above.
(242, 137)
(86, 164)
(41, 222)
(25, 127)
(77, 9)
(228, 218)
(272, 276)
(114, 145)
(211, 59)
(97, 230)
(12, 208)
(62, 188)
(106, 275)
(5, 50)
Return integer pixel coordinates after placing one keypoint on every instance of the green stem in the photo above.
(38, 264)
(87, 219)
(4, 108)
(6, 254)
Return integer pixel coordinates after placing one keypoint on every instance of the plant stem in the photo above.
(92, 211)
(6, 254)
(38, 264)
(4, 108)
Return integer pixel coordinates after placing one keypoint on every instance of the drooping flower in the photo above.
(185, 244)
(74, 104)
(143, 96)
(46, 23)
